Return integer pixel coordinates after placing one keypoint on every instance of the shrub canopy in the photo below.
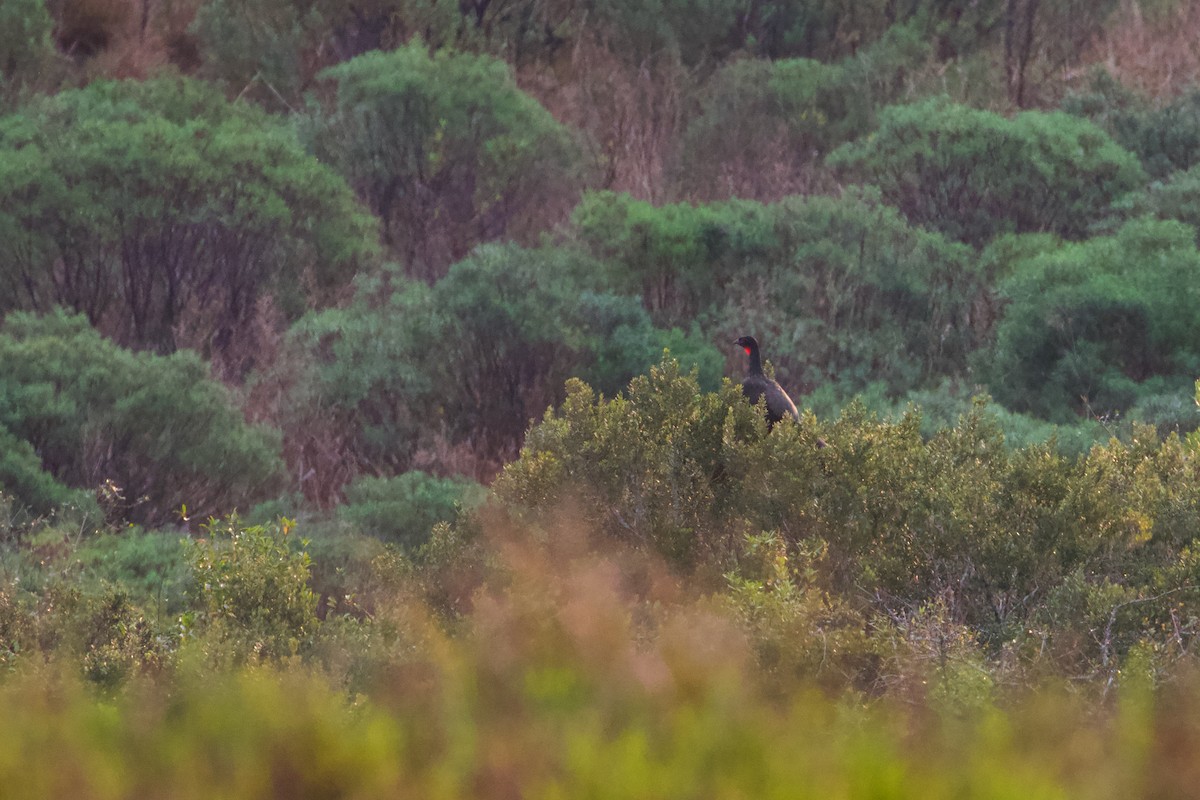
(157, 433)
(163, 212)
(973, 174)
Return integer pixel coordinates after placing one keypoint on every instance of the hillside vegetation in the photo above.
(370, 427)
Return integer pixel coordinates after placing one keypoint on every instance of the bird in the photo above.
(757, 385)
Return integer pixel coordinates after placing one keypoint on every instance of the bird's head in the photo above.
(747, 343)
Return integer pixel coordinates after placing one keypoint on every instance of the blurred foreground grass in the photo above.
(448, 733)
(574, 673)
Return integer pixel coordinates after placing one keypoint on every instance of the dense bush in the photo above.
(841, 288)
(163, 213)
(155, 433)
(1177, 198)
(973, 174)
(763, 127)
(471, 360)
(1091, 327)
(580, 729)
(264, 49)
(992, 534)
(249, 590)
(764, 117)
(23, 476)
(26, 49)
(403, 509)
(151, 565)
(1166, 138)
(446, 150)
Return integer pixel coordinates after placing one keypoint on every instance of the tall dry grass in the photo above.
(630, 113)
(1150, 46)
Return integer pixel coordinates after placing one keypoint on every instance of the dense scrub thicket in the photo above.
(712, 585)
(333, 388)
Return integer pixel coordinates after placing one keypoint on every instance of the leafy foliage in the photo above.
(448, 138)
(403, 509)
(474, 358)
(1092, 326)
(157, 431)
(756, 113)
(247, 212)
(992, 534)
(842, 287)
(251, 590)
(265, 48)
(1166, 138)
(973, 174)
(26, 49)
(22, 475)
(667, 492)
(764, 127)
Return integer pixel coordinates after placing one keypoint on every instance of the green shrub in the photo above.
(799, 631)
(157, 431)
(26, 49)
(250, 591)
(766, 125)
(91, 228)
(1092, 327)
(259, 48)
(446, 150)
(22, 475)
(663, 466)
(1176, 198)
(974, 175)
(1166, 138)
(473, 359)
(943, 406)
(837, 288)
(403, 509)
(151, 565)
(959, 518)
(99, 633)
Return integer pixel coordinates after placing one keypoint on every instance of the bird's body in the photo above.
(757, 385)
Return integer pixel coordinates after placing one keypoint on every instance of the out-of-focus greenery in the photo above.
(284, 733)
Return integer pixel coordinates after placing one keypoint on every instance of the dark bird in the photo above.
(759, 385)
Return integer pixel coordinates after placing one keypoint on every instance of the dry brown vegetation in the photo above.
(1150, 47)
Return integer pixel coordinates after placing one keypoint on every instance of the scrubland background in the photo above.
(366, 430)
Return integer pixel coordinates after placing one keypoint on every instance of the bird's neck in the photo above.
(755, 362)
